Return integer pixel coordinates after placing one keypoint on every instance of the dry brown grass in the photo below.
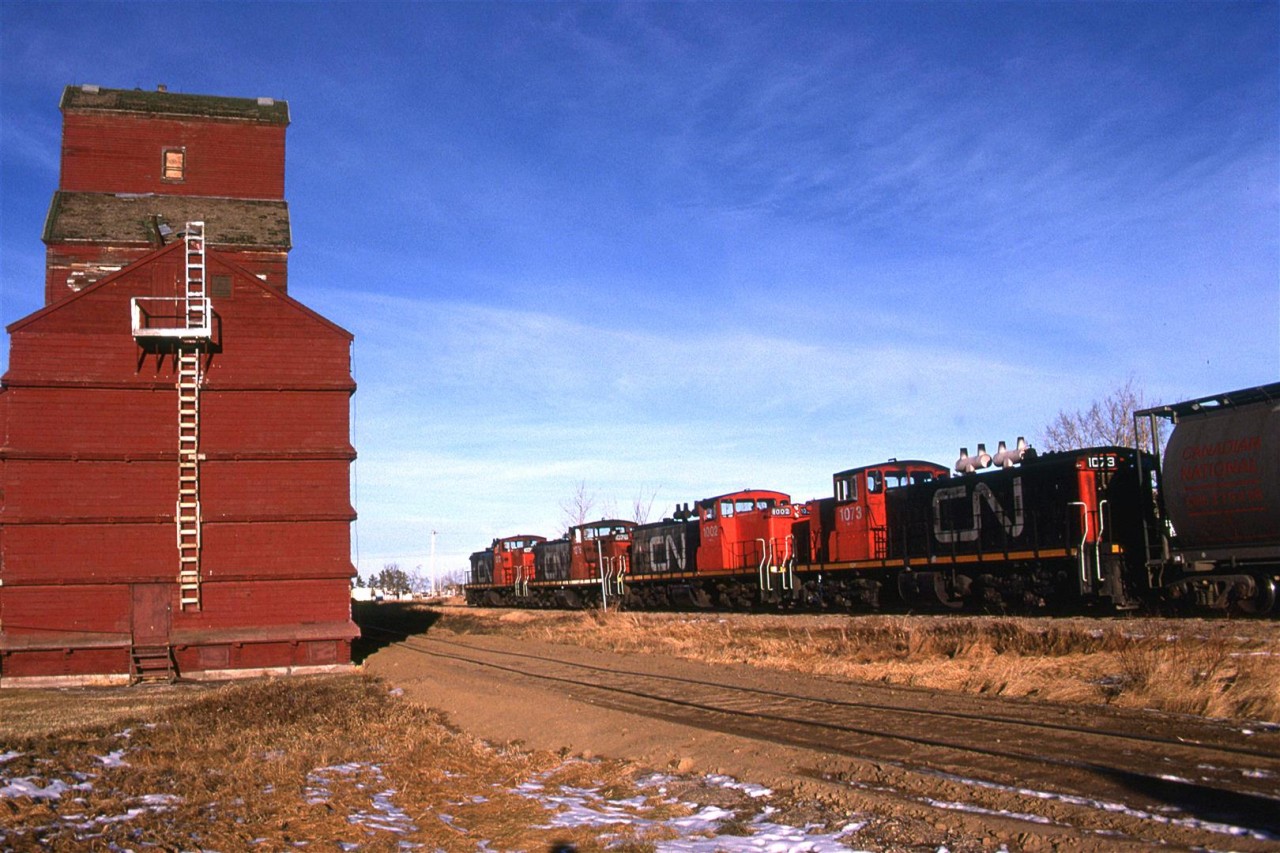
(30, 713)
(269, 764)
(1228, 669)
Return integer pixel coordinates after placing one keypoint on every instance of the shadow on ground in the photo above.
(385, 622)
(1205, 803)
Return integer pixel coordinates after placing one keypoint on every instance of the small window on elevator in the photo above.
(174, 167)
(220, 287)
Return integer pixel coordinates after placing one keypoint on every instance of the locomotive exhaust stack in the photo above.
(1006, 458)
(967, 464)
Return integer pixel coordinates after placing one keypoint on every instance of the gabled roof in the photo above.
(165, 103)
(132, 218)
(242, 274)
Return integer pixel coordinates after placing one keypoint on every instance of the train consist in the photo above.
(1196, 526)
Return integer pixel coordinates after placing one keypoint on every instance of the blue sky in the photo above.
(671, 250)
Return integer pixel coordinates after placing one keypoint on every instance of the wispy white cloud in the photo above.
(500, 412)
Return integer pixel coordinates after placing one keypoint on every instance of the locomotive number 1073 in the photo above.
(1106, 461)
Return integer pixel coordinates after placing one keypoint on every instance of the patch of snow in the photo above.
(697, 832)
(1108, 806)
(113, 759)
(972, 809)
(753, 791)
(385, 814)
(29, 786)
(159, 799)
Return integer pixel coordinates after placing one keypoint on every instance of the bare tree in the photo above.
(641, 506)
(577, 508)
(1108, 421)
(453, 580)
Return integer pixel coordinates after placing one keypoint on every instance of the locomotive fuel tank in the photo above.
(1221, 479)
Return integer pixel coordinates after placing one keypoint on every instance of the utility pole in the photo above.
(434, 590)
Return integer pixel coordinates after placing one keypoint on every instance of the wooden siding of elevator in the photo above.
(89, 478)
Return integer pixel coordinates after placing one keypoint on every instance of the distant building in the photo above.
(175, 456)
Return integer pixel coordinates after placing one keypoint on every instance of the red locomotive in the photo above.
(1092, 528)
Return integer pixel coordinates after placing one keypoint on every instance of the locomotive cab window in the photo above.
(174, 165)
(846, 489)
(894, 479)
(918, 477)
(726, 509)
(875, 482)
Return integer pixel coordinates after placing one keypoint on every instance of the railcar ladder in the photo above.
(187, 516)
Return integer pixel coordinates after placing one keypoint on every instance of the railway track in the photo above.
(1142, 777)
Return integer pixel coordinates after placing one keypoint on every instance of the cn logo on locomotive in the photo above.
(981, 494)
(665, 555)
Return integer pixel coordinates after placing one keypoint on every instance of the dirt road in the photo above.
(929, 768)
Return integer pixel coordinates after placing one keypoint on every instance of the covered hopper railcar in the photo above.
(1214, 540)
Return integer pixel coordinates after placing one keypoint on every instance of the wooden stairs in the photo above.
(152, 664)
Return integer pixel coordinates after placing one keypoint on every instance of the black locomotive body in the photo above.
(1059, 528)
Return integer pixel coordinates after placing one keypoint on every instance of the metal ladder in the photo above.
(187, 516)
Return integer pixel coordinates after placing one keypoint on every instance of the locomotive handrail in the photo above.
(604, 581)
(789, 563)
(1084, 537)
(1097, 543)
(614, 577)
(765, 582)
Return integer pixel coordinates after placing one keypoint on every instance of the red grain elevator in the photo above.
(175, 452)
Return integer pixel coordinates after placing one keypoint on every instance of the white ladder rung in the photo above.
(187, 511)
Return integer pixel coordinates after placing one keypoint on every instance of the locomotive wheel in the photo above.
(1262, 600)
(929, 589)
